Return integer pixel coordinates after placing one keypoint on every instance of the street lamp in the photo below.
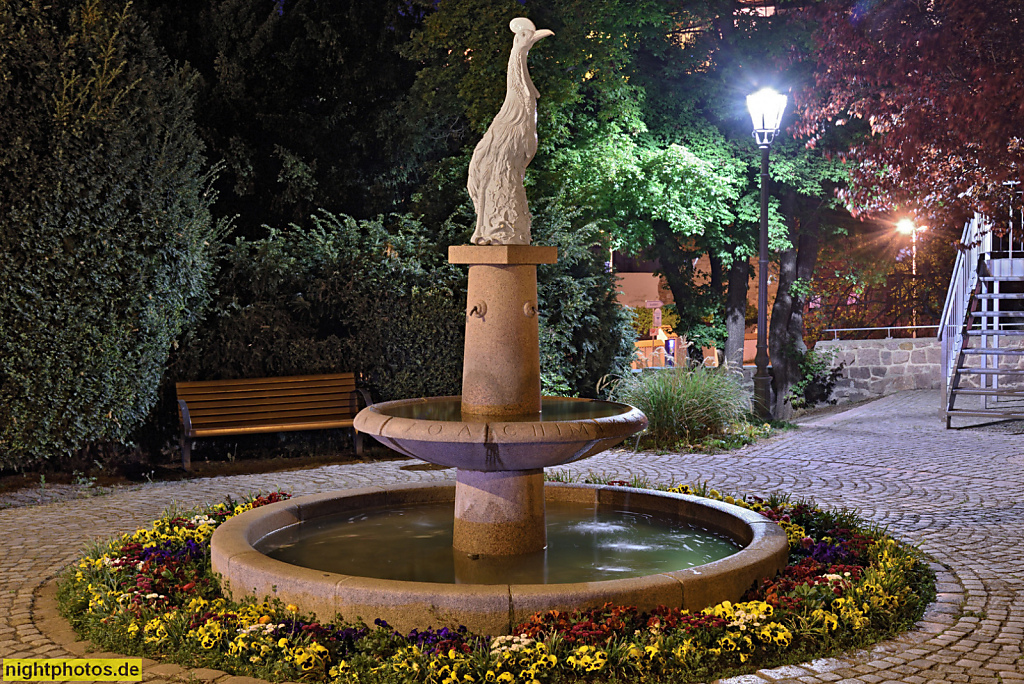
(908, 227)
(766, 107)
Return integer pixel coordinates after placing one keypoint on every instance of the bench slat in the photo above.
(249, 382)
(271, 427)
(342, 401)
(305, 417)
(313, 408)
(270, 390)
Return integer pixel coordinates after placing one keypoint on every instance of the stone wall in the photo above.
(875, 368)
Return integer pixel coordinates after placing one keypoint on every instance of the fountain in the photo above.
(499, 435)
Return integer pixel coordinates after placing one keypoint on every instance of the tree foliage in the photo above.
(301, 100)
(937, 84)
(584, 334)
(643, 127)
(105, 233)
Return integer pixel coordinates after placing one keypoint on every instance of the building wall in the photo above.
(637, 288)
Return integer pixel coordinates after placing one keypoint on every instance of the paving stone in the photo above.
(167, 670)
(913, 679)
(240, 680)
(954, 493)
(921, 663)
(825, 664)
(870, 678)
(784, 672)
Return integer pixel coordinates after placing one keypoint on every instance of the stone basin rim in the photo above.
(489, 609)
(377, 420)
(498, 443)
(385, 409)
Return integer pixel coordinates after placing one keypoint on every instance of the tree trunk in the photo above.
(715, 281)
(786, 331)
(676, 264)
(736, 312)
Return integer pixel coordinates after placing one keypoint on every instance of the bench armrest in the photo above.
(186, 420)
(365, 395)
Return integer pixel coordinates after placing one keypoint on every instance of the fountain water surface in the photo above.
(499, 435)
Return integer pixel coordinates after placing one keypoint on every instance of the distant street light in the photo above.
(766, 107)
(908, 227)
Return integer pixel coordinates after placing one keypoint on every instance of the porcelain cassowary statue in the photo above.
(500, 159)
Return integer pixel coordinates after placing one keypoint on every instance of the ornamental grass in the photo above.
(684, 405)
(152, 594)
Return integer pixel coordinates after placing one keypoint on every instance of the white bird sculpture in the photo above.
(500, 159)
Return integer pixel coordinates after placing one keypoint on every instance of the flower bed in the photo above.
(152, 593)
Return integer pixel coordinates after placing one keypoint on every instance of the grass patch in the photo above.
(700, 407)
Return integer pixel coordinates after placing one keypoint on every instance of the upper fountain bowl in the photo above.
(436, 430)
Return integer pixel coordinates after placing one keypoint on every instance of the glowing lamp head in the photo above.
(905, 226)
(766, 107)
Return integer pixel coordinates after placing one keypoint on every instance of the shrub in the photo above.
(817, 379)
(683, 404)
(105, 235)
(374, 297)
(380, 298)
(584, 333)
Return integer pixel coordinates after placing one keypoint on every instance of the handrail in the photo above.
(887, 328)
(975, 241)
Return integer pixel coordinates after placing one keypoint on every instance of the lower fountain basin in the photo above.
(436, 430)
(585, 543)
(490, 608)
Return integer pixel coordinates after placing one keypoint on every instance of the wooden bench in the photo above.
(215, 408)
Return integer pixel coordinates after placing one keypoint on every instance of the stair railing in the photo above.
(975, 241)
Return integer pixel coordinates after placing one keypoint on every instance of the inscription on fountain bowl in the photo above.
(549, 430)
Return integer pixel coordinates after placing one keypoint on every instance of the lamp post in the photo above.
(908, 227)
(766, 107)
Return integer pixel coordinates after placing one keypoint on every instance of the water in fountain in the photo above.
(586, 543)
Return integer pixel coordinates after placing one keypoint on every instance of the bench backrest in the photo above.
(269, 404)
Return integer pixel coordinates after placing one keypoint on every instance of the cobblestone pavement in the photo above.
(958, 493)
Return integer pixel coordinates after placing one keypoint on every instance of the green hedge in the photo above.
(376, 297)
(106, 238)
(379, 298)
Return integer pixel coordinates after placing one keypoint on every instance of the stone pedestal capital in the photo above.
(502, 255)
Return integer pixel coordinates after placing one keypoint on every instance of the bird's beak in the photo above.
(542, 33)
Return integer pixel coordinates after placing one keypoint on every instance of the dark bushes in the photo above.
(380, 298)
(105, 231)
(375, 297)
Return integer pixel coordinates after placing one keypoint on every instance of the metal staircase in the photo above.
(982, 327)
